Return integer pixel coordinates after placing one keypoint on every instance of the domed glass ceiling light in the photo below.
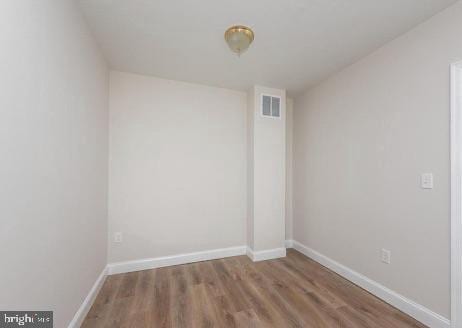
(239, 38)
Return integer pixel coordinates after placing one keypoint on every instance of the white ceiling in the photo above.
(297, 42)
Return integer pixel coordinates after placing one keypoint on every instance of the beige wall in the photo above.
(289, 168)
(53, 150)
(362, 139)
(251, 103)
(268, 173)
(177, 167)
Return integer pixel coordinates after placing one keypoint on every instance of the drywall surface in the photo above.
(362, 140)
(289, 168)
(251, 105)
(53, 150)
(267, 172)
(177, 167)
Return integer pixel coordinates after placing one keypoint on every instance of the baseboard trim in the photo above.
(265, 255)
(289, 243)
(158, 262)
(415, 310)
(82, 312)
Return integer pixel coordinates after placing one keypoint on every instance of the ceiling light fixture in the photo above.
(239, 38)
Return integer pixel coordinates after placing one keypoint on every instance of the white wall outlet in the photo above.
(386, 256)
(118, 237)
(427, 181)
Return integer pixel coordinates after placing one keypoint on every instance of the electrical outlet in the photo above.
(118, 237)
(386, 256)
(426, 181)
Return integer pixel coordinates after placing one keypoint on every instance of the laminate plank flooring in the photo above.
(235, 292)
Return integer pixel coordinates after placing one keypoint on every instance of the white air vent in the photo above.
(271, 106)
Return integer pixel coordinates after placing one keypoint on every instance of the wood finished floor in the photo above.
(235, 292)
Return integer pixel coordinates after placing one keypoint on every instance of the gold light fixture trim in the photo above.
(239, 38)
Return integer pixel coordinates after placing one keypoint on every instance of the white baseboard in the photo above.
(158, 262)
(289, 243)
(265, 255)
(417, 311)
(88, 301)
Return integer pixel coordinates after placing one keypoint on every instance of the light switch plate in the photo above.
(427, 181)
